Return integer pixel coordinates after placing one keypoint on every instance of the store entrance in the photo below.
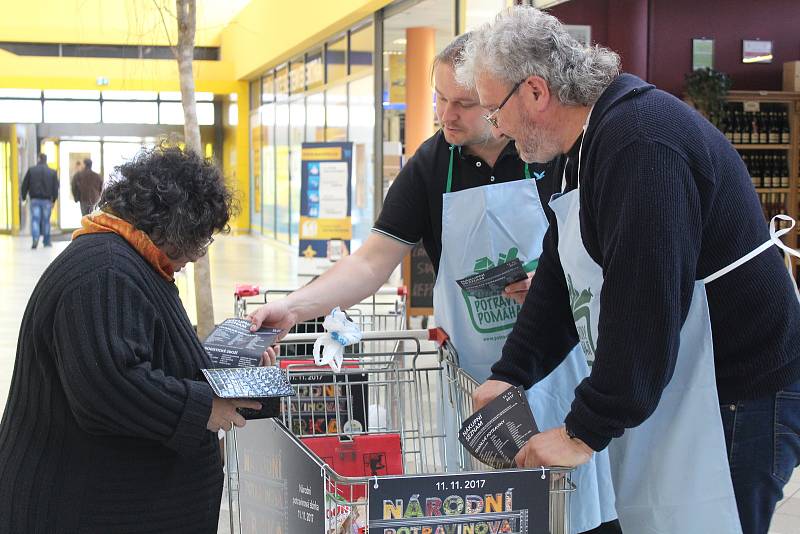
(106, 154)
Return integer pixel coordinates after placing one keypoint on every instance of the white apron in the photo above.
(670, 473)
(483, 227)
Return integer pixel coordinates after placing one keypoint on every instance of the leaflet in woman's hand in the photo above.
(232, 344)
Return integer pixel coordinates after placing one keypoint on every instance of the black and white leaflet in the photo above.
(232, 344)
(491, 282)
(235, 354)
(495, 433)
(249, 382)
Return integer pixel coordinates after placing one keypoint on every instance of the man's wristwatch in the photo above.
(570, 432)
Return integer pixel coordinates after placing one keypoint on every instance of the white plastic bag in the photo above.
(340, 332)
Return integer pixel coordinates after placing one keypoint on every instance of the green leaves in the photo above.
(707, 88)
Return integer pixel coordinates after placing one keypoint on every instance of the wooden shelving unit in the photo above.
(787, 196)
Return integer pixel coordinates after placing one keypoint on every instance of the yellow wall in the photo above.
(129, 22)
(123, 74)
(266, 32)
(235, 151)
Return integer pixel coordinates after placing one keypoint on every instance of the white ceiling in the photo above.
(437, 14)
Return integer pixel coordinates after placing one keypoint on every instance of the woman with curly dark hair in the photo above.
(109, 426)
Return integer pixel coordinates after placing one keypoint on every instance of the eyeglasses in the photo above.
(491, 118)
(201, 251)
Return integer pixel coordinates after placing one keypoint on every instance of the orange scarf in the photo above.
(100, 222)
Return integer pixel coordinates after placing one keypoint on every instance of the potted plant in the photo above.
(707, 89)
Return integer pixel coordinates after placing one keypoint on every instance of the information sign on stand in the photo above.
(420, 277)
(281, 489)
(325, 205)
(500, 501)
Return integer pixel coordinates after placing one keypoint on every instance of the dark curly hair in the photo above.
(175, 196)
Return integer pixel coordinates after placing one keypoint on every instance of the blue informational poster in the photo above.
(325, 203)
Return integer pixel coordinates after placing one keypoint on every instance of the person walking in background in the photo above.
(41, 182)
(86, 187)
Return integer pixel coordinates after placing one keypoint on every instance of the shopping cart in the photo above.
(384, 461)
(385, 310)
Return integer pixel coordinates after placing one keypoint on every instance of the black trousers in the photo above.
(612, 527)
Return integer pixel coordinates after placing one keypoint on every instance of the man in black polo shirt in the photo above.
(474, 204)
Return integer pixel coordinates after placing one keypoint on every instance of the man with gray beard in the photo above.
(659, 262)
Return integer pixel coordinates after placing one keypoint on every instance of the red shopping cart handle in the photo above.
(437, 335)
(246, 290)
(402, 291)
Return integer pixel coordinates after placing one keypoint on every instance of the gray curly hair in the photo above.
(524, 41)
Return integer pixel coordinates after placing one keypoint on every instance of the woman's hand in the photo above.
(270, 356)
(224, 415)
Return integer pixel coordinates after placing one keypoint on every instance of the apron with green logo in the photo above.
(671, 472)
(481, 228)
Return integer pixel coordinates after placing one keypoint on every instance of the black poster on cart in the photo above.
(492, 502)
(281, 488)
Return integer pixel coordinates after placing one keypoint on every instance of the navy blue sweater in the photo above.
(664, 200)
(105, 426)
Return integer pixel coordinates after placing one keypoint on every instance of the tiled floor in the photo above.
(234, 259)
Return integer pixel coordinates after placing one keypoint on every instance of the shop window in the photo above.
(129, 95)
(315, 118)
(268, 88)
(336, 59)
(255, 94)
(361, 129)
(172, 113)
(20, 93)
(130, 112)
(297, 76)
(73, 95)
(315, 70)
(336, 114)
(199, 96)
(362, 45)
(65, 111)
(20, 111)
(282, 83)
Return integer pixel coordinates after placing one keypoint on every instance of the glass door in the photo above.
(6, 193)
(70, 159)
(117, 153)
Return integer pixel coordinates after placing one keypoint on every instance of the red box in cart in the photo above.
(362, 456)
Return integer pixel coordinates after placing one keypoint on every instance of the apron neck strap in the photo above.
(580, 149)
(450, 170)
(449, 187)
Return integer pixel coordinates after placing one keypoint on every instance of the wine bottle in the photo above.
(752, 126)
(728, 126)
(737, 128)
(767, 171)
(785, 139)
(774, 131)
(784, 171)
(756, 170)
(762, 128)
(747, 128)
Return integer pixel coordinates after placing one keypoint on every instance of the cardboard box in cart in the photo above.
(791, 76)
